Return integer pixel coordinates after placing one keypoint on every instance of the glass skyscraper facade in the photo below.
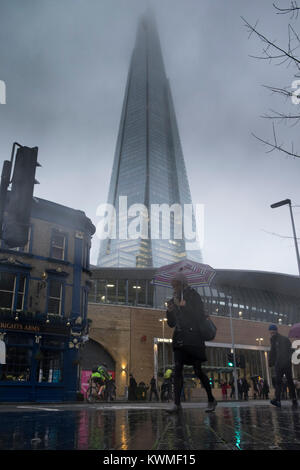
(148, 169)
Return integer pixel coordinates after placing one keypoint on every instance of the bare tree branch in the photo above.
(275, 146)
(293, 9)
(283, 117)
(283, 53)
(289, 56)
(283, 91)
(278, 235)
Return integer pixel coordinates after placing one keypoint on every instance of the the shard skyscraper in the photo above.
(148, 166)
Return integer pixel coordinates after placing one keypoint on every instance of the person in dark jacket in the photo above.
(153, 389)
(265, 390)
(280, 359)
(245, 388)
(132, 389)
(185, 312)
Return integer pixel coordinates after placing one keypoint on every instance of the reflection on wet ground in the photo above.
(124, 428)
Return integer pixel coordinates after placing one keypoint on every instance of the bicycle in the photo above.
(92, 394)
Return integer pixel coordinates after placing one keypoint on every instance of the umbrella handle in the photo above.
(182, 301)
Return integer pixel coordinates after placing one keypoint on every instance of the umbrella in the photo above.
(197, 274)
(295, 331)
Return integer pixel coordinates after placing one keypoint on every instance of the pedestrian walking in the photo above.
(153, 389)
(141, 391)
(232, 393)
(245, 388)
(255, 386)
(185, 312)
(166, 388)
(224, 390)
(240, 389)
(132, 389)
(260, 387)
(265, 390)
(280, 359)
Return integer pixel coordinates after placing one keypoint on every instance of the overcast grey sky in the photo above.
(65, 64)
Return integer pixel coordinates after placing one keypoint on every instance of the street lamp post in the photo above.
(289, 203)
(259, 340)
(233, 350)
(163, 320)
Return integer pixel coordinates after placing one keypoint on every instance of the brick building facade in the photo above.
(129, 335)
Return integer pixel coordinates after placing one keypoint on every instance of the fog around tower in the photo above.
(65, 64)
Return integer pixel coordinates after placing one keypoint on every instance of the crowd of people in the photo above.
(142, 391)
(258, 389)
(185, 313)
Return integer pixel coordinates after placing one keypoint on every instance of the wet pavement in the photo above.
(255, 425)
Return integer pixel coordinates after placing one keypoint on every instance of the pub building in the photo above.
(44, 290)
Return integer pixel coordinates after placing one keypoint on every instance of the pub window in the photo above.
(12, 291)
(55, 297)
(50, 366)
(58, 245)
(20, 293)
(18, 358)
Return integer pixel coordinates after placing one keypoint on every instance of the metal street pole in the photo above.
(163, 320)
(164, 362)
(295, 237)
(259, 340)
(233, 350)
(289, 203)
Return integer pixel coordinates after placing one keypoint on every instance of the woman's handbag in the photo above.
(208, 329)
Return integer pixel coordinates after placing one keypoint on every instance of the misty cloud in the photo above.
(65, 65)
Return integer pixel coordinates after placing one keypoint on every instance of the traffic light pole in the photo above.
(5, 181)
(233, 351)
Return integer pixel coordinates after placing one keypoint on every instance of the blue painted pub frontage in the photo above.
(43, 306)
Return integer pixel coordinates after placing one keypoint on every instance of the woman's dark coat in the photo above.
(187, 321)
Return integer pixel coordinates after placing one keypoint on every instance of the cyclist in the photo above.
(105, 379)
(98, 380)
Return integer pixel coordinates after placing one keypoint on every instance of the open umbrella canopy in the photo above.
(197, 274)
(295, 331)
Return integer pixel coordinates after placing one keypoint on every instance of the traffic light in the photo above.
(230, 361)
(16, 223)
(5, 180)
(242, 362)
